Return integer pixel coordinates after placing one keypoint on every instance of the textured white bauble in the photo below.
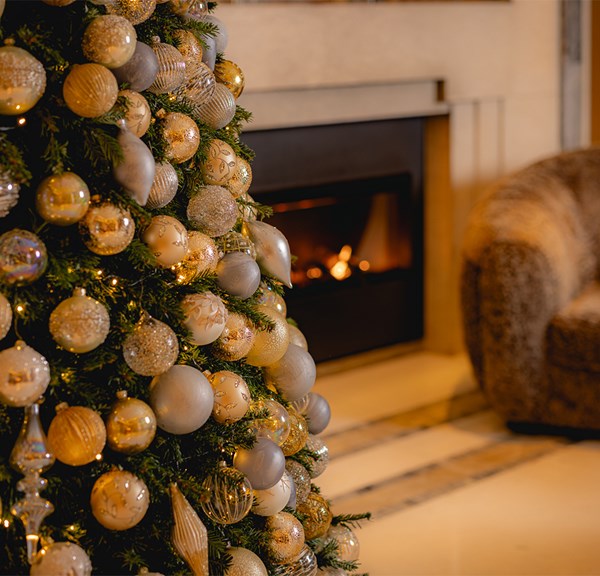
(6, 316)
(245, 563)
(182, 399)
(232, 396)
(168, 239)
(205, 317)
(61, 559)
(138, 114)
(24, 375)
(272, 500)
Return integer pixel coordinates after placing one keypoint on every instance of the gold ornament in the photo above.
(318, 516)
(171, 68)
(136, 11)
(77, 435)
(189, 534)
(229, 495)
(130, 425)
(235, 340)
(109, 40)
(232, 397)
(79, 323)
(24, 375)
(286, 537)
(245, 563)
(275, 425)
(198, 87)
(269, 346)
(190, 48)
(201, 258)
(90, 90)
(62, 199)
(181, 135)
(205, 316)
(240, 181)
(220, 164)
(119, 500)
(167, 238)
(23, 257)
(61, 558)
(231, 76)
(235, 242)
(297, 338)
(298, 433)
(6, 316)
(219, 109)
(164, 186)
(270, 298)
(301, 478)
(138, 114)
(9, 193)
(107, 229)
(22, 82)
(212, 210)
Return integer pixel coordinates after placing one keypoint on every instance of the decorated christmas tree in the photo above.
(156, 412)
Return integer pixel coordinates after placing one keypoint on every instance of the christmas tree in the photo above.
(156, 412)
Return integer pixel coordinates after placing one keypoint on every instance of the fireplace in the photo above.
(349, 199)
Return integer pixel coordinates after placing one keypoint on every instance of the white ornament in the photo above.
(272, 500)
(205, 317)
(168, 239)
(24, 375)
(5, 316)
(232, 396)
(61, 559)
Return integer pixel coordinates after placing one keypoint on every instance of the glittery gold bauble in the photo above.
(270, 298)
(229, 495)
(205, 316)
(24, 375)
(164, 186)
(23, 257)
(269, 345)
(79, 323)
(136, 11)
(181, 135)
(198, 87)
(240, 182)
(5, 316)
(220, 164)
(232, 397)
(107, 229)
(212, 210)
(130, 425)
(90, 90)
(275, 425)
(171, 68)
(109, 40)
(298, 434)
(230, 75)
(286, 537)
(62, 199)
(245, 563)
(22, 82)
(138, 114)
(119, 500)
(301, 478)
(219, 109)
(189, 46)
(318, 516)
(235, 340)
(76, 435)
(202, 257)
(167, 239)
(235, 242)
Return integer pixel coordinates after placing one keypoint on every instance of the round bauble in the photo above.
(269, 346)
(209, 52)
(109, 40)
(241, 180)
(235, 242)
(205, 317)
(130, 425)
(182, 399)
(151, 348)
(90, 90)
(24, 375)
(138, 114)
(189, 8)
(6, 316)
(171, 68)
(164, 187)
(293, 375)
(247, 208)
(201, 258)
(221, 36)
(317, 413)
(219, 109)
(212, 210)
(189, 46)
(273, 500)
(220, 164)
(297, 338)
(348, 545)
(270, 298)
(231, 76)
(119, 500)
(236, 339)
(136, 11)
(275, 424)
(229, 495)
(23, 80)
(76, 435)
(79, 323)
(304, 564)
(286, 537)
(23, 257)
(140, 70)
(320, 460)
(181, 135)
(9, 193)
(318, 516)
(238, 274)
(107, 229)
(301, 478)
(167, 239)
(62, 199)
(61, 558)
(298, 435)
(263, 464)
(245, 563)
(198, 87)
(232, 397)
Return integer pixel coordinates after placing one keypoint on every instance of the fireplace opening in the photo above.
(356, 234)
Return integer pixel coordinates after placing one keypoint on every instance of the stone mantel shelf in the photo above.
(288, 107)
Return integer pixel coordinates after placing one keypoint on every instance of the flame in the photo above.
(340, 270)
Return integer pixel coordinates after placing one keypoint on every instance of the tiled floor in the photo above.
(452, 491)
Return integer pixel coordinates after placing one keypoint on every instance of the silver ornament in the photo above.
(164, 187)
(222, 36)
(238, 274)
(219, 109)
(212, 210)
(140, 70)
(272, 250)
(263, 464)
(199, 86)
(171, 68)
(9, 193)
(293, 375)
(317, 413)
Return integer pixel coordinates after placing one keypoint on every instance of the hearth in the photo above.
(349, 199)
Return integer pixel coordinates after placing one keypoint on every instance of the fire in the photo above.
(340, 269)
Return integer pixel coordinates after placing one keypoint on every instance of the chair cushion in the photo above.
(573, 338)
